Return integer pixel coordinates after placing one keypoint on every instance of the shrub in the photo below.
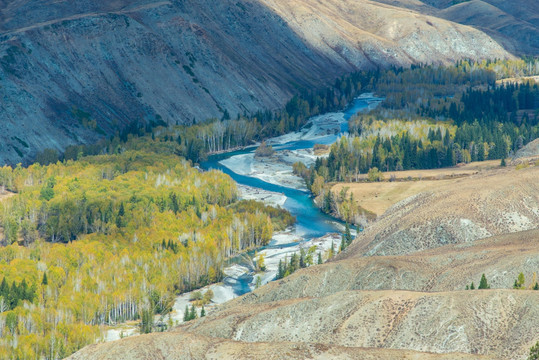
(196, 296)
(375, 175)
(534, 352)
(264, 150)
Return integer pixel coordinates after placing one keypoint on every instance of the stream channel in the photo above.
(311, 222)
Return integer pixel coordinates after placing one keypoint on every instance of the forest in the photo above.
(112, 238)
(481, 122)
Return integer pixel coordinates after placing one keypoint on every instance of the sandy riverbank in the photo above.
(317, 128)
(269, 169)
(267, 197)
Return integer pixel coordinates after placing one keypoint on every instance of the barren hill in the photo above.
(493, 322)
(186, 346)
(461, 211)
(514, 24)
(64, 64)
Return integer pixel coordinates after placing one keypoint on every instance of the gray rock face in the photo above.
(68, 69)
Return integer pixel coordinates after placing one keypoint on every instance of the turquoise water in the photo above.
(311, 222)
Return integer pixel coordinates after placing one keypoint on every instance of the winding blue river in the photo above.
(311, 222)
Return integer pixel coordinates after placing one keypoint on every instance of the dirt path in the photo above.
(82, 16)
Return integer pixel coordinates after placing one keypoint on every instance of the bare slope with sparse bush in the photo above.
(461, 211)
(183, 345)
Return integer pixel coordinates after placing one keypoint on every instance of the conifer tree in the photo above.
(302, 258)
(483, 284)
(343, 243)
(186, 314)
(44, 281)
(193, 313)
(472, 286)
(280, 271)
(347, 235)
(146, 323)
(120, 218)
(202, 312)
(319, 258)
(4, 287)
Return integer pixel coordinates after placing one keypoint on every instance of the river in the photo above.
(313, 227)
(311, 222)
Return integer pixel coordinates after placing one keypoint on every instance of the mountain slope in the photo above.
(67, 70)
(494, 322)
(515, 27)
(514, 24)
(448, 268)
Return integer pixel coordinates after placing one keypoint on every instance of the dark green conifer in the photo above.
(348, 235)
(483, 284)
(343, 243)
(193, 313)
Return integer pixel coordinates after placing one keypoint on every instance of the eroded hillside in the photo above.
(183, 345)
